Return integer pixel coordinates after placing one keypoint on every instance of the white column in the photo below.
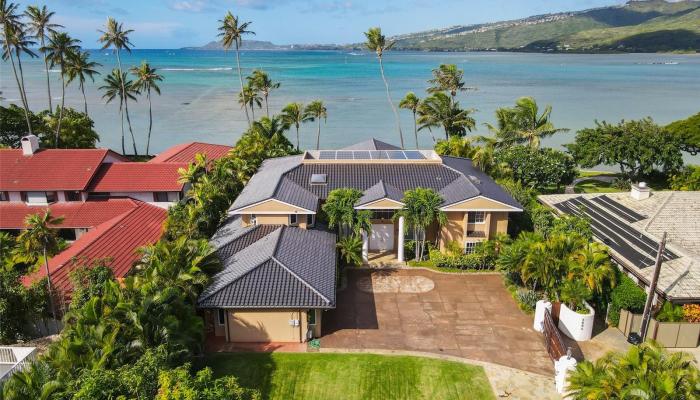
(401, 239)
(365, 247)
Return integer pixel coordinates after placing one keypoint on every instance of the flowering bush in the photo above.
(691, 312)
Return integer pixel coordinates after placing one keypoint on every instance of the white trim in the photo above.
(367, 206)
(240, 209)
(510, 209)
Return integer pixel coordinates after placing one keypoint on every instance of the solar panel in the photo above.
(396, 155)
(361, 155)
(375, 154)
(326, 155)
(618, 209)
(343, 155)
(414, 155)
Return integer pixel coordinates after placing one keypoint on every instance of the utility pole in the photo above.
(652, 289)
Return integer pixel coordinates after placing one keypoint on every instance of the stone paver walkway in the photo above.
(467, 316)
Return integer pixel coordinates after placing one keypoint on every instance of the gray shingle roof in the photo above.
(380, 191)
(265, 268)
(372, 144)
(288, 179)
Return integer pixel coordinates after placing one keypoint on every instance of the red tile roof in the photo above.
(75, 214)
(117, 240)
(50, 169)
(185, 152)
(137, 177)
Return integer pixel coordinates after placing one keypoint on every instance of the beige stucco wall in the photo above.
(453, 229)
(382, 204)
(477, 204)
(272, 206)
(499, 224)
(266, 326)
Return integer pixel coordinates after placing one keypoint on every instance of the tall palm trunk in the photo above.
(267, 109)
(63, 102)
(48, 78)
(82, 89)
(415, 128)
(391, 103)
(20, 87)
(240, 79)
(297, 126)
(150, 121)
(252, 110)
(121, 116)
(126, 104)
(48, 284)
(318, 135)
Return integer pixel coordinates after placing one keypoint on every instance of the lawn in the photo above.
(320, 376)
(595, 187)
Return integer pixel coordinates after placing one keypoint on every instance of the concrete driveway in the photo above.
(470, 316)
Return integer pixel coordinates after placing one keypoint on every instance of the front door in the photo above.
(382, 237)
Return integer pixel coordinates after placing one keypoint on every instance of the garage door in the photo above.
(264, 326)
(382, 237)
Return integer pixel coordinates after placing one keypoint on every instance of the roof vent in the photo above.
(474, 179)
(640, 191)
(30, 145)
(319, 179)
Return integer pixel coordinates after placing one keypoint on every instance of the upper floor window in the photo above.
(293, 219)
(160, 197)
(4, 196)
(39, 197)
(51, 197)
(73, 195)
(310, 220)
(476, 217)
(382, 214)
(469, 247)
(253, 219)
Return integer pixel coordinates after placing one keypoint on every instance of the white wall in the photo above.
(36, 198)
(15, 196)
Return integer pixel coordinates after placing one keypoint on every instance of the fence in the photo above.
(668, 334)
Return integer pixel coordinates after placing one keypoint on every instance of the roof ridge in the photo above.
(460, 173)
(300, 279)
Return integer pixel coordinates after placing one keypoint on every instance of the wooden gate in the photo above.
(552, 338)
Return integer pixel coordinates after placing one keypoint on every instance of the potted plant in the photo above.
(576, 316)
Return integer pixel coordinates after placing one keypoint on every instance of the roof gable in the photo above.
(372, 144)
(86, 214)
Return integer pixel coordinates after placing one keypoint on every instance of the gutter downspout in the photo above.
(301, 322)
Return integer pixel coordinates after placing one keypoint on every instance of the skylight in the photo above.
(319, 179)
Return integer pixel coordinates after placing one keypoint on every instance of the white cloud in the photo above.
(191, 6)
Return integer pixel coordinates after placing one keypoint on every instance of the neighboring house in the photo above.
(114, 242)
(186, 152)
(155, 183)
(271, 240)
(631, 224)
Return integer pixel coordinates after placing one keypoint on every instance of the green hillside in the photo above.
(654, 25)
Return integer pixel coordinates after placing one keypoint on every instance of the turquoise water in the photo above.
(199, 94)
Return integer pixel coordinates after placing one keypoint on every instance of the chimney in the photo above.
(640, 191)
(30, 145)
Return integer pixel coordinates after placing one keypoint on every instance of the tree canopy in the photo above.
(538, 168)
(688, 130)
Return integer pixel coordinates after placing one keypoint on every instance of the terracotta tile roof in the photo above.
(117, 240)
(137, 177)
(75, 214)
(50, 169)
(185, 152)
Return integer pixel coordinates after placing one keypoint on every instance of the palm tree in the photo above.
(249, 97)
(261, 82)
(293, 114)
(438, 110)
(412, 102)
(41, 26)
(57, 51)
(421, 209)
(530, 125)
(340, 210)
(350, 249)
(272, 128)
(38, 381)
(231, 33)
(592, 266)
(146, 80)
(40, 240)
(118, 86)
(15, 42)
(447, 78)
(455, 146)
(116, 36)
(314, 112)
(647, 371)
(377, 43)
(79, 66)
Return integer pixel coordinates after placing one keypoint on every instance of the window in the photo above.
(253, 219)
(23, 196)
(4, 196)
(469, 247)
(160, 197)
(311, 317)
(73, 195)
(293, 219)
(382, 214)
(51, 197)
(98, 195)
(221, 316)
(318, 179)
(68, 234)
(310, 220)
(476, 217)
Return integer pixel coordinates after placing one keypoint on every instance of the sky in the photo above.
(179, 23)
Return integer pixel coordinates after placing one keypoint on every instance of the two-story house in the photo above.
(280, 264)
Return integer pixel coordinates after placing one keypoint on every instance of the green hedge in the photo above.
(626, 295)
(476, 260)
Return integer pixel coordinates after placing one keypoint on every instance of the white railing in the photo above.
(17, 358)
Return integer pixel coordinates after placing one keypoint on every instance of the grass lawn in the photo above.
(321, 376)
(596, 187)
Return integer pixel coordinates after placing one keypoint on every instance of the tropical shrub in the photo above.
(546, 223)
(472, 261)
(688, 131)
(340, 210)
(574, 294)
(687, 179)
(647, 371)
(13, 125)
(89, 281)
(526, 196)
(527, 299)
(410, 249)
(421, 209)
(691, 312)
(19, 306)
(179, 384)
(77, 129)
(538, 168)
(670, 312)
(626, 295)
(350, 248)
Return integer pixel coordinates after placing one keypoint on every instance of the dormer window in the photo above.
(319, 179)
(293, 219)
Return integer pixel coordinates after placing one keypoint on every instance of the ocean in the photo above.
(199, 92)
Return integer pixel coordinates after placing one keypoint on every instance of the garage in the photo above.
(267, 326)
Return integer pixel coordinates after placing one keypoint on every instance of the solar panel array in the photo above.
(370, 155)
(618, 235)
